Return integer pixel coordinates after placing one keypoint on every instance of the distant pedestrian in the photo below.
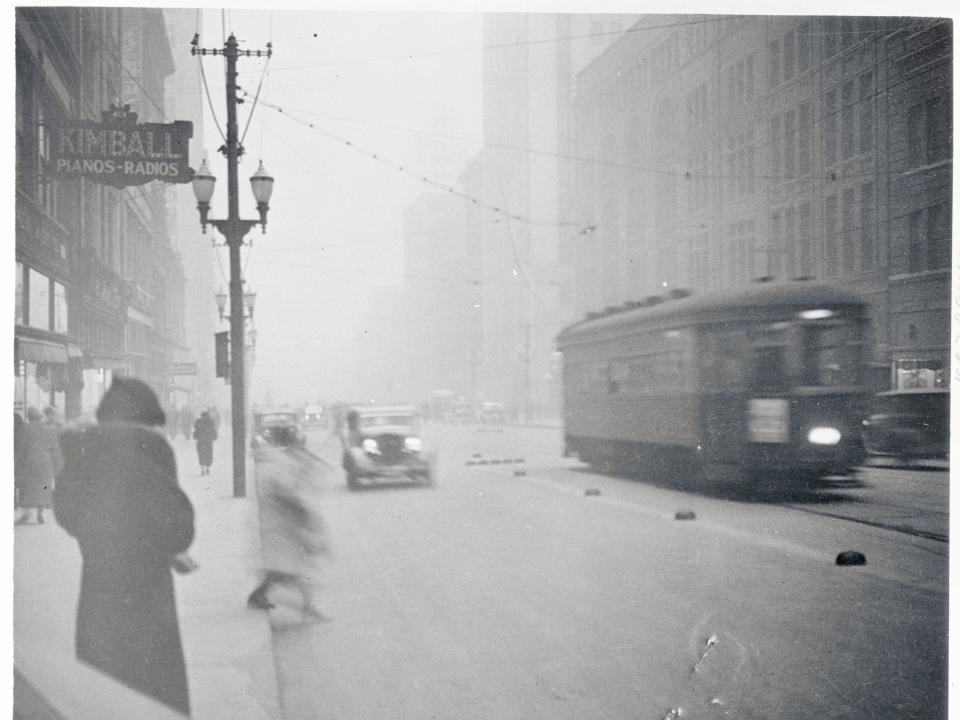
(17, 439)
(118, 496)
(186, 421)
(38, 462)
(173, 423)
(205, 432)
(294, 531)
(51, 418)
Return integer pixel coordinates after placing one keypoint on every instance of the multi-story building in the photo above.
(529, 69)
(99, 288)
(184, 100)
(715, 150)
(440, 316)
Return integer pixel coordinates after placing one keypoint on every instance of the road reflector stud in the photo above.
(496, 461)
(591, 491)
(483, 462)
(476, 455)
(519, 473)
(471, 462)
(851, 557)
(685, 515)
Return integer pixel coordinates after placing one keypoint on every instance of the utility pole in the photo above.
(234, 229)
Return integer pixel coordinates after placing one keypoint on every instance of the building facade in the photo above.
(717, 150)
(529, 72)
(99, 287)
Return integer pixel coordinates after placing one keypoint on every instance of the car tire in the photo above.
(352, 480)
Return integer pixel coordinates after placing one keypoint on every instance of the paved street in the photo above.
(517, 596)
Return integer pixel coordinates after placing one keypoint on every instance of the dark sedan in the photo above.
(909, 424)
(278, 427)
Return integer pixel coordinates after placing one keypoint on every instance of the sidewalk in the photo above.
(228, 648)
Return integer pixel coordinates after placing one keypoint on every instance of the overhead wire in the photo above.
(502, 46)
(426, 179)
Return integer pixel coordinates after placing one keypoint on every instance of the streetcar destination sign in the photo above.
(120, 151)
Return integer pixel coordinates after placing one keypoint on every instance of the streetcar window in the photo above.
(832, 355)
(767, 369)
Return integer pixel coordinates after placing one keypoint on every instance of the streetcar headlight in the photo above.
(412, 443)
(823, 436)
(370, 446)
(815, 314)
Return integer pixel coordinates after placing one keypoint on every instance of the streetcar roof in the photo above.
(714, 306)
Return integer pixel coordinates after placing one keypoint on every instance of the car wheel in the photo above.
(352, 480)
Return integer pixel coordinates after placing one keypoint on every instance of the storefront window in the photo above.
(18, 320)
(39, 310)
(59, 308)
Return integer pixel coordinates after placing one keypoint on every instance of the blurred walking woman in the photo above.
(118, 496)
(205, 432)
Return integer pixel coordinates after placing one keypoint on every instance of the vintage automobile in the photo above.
(277, 426)
(909, 424)
(491, 416)
(383, 443)
(462, 414)
(315, 416)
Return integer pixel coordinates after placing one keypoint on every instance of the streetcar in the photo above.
(765, 381)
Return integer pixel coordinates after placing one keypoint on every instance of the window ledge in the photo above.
(927, 168)
(907, 277)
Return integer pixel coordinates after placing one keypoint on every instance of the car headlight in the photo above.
(370, 446)
(823, 436)
(412, 443)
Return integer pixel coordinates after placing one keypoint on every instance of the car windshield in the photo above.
(277, 419)
(373, 421)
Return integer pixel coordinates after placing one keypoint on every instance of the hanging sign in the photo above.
(120, 151)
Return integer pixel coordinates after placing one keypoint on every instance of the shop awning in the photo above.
(32, 350)
(106, 362)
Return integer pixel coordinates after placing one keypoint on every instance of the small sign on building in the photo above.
(183, 368)
(120, 151)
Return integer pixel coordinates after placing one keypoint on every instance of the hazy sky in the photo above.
(386, 82)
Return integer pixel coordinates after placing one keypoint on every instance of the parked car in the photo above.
(491, 416)
(909, 424)
(383, 442)
(278, 427)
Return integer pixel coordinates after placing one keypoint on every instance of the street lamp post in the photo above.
(233, 230)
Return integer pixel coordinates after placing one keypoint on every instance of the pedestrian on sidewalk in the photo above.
(118, 496)
(17, 439)
(205, 432)
(294, 531)
(173, 423)
(38, 462)
(186, 421)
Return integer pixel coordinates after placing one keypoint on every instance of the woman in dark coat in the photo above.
(205, 432)
(118, 496)
(37, 463)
